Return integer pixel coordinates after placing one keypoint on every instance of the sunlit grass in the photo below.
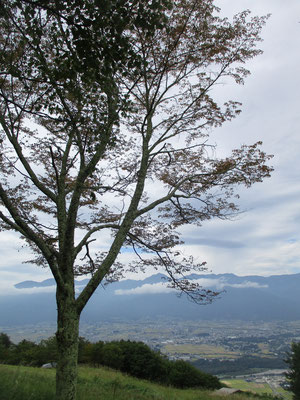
(20, 383)
(259, 388)
(249, 386)
(26, 383)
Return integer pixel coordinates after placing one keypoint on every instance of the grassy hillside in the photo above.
(260, 388)
(19, 383)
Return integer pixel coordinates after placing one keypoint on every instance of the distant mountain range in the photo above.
(249, 298)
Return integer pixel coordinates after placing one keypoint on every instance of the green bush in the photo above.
(184, 375)
(112, 355)
(142, 362)
(96, 352)
(24, 353)
(138, 360)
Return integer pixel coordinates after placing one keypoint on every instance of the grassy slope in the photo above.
(248, 386)
(260, 388)
(20, 383)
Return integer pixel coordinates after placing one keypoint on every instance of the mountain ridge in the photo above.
(158, 277)
(246, 298)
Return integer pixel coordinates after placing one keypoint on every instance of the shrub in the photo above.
(184, 375)
(142, 362)
(112, 356)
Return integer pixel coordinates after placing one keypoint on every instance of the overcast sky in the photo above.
(265, 238)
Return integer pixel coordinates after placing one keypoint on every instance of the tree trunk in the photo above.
(67, 345)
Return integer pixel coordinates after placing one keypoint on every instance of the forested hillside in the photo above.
(133, 358)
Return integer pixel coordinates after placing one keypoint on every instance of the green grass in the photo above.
(27, 383)
(259, 388)
(20, 383)
(249, 386)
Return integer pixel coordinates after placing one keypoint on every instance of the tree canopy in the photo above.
(105, 111)
(293, 375)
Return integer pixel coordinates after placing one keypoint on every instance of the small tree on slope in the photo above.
(293, 374)
(105, 111)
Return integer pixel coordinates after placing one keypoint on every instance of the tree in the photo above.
(105, 111)
(47, 351)
(293, 375)
(5, 344)
(5, 341)
(24, 353)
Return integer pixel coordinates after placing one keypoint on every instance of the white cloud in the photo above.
(7, 288)
(246, 285)
(145, 289)
(161, 287)
(222, 283)
(35, 290)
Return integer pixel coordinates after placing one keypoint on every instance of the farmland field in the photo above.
(203, 350)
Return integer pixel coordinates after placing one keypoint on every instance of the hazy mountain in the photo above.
(242, 298)
(33, 284)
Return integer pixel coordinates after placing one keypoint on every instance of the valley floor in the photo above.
(228, 349)
(189, 340)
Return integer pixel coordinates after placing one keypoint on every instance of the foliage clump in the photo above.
(293, 375)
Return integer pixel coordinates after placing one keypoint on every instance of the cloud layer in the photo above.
(218, 284)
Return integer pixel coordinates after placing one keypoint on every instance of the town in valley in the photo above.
(252, 351)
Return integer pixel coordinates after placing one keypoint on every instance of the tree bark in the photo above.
(67, 345)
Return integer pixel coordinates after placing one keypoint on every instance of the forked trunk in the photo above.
(67, 345)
